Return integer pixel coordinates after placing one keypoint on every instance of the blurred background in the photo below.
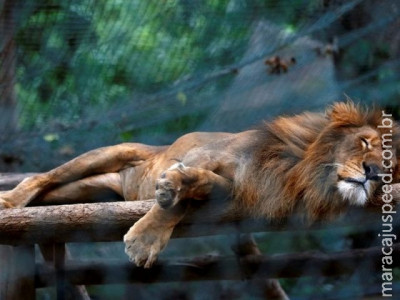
(80, 74)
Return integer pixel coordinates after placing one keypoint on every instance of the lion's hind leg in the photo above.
(99, 161)
(95, 188)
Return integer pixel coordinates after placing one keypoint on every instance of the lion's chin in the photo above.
(354, 193)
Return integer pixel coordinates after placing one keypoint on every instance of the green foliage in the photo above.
(80, 57)
(91, 55)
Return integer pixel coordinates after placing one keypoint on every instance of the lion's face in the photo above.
(358, 162)
(361, 150)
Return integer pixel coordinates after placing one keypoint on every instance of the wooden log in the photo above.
(220, 268)
(70, 223)
(110, 221)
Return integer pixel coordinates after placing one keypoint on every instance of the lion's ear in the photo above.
(346, 114)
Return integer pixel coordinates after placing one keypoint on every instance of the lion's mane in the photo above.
(292, 163)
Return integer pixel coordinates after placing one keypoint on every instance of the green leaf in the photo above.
(51, 137)
(182, 98)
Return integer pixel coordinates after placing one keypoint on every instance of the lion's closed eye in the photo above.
(365, 144)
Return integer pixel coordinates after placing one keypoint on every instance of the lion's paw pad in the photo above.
(140, 251)
(165, 193)
(168, 185)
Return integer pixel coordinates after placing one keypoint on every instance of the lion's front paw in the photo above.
(143, 245)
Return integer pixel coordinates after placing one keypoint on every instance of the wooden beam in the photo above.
(70, 223)
(220, 268)
(110, 221)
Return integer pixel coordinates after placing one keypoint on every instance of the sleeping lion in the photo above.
(316, 162)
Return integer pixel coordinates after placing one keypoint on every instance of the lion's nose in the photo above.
(371, 171)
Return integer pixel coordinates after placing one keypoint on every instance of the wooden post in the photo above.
(72, 292)
(18, 275)
(59, 266)
(270, 288)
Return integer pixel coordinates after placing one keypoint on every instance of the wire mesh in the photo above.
(80, 74)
